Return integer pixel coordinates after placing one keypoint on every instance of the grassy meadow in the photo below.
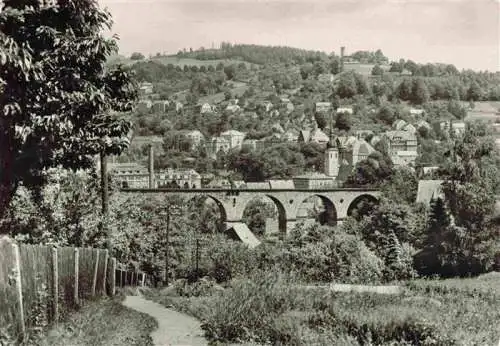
(271, 309)
(103, 322)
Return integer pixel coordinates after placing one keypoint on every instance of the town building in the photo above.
(429, 190)
(314, 180)
(205, 108)
(129, 175)
(403, 147)
(345, 110)
(216, 145)
(423, 124)
(353, 150)
(416, 112)
(145, 89)
(196, 138)
(363, 134)
(399, 124)
(322, 107)
(233, 108)
(144, 106)
(410, 128)
(134, 175)
(179, 107)
(315, 136)
(160, 106)
(178, 178)
(250, 144)
(458, 127)
(234, 138)
(290, 136)
(267, 105)
(326, 77)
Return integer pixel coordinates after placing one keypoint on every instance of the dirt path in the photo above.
(174, 328)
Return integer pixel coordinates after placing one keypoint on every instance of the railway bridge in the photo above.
(339, 203)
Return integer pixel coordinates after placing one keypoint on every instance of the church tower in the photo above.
(332, 160)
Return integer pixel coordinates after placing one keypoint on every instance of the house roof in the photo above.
(258, 185)
(405, 135)
(277, 127)
(363, 148)
(406, 153)
(281, 184)
(428, 190)
(319, 136)
(416, 111)
(232, 133)
(193, 133)
(409, 128)
(240, 231)
(344, 110)
(399, 124)
(423, 123)
(305, 134)
(219, 139)
(140, 140)
(127, 167)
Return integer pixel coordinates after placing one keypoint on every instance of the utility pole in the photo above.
(104, 183)
(197, 257)
(167, 254)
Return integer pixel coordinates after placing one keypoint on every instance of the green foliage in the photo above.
(57, 97)
(137, 56)
(66, 211)
(256, 213)
(377, 70)
(465, 239)
(343, 122)
(373, 171)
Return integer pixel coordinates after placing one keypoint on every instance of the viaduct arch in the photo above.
(339, 203)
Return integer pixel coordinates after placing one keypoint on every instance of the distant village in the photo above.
(341, 152)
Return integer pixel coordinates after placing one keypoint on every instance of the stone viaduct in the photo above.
(339, 203)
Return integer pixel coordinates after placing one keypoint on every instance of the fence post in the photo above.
(55, 286)
(19, 289)
(113, 276)
(96, 268)
(106, 258)
(75, 293)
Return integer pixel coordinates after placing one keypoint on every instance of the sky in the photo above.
(462, 32)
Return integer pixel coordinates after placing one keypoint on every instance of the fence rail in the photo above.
(40, 284)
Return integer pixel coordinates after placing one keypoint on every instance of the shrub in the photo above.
(250, 308)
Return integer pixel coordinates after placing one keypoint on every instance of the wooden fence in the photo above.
(39, 285)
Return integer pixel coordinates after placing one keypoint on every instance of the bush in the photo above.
(249, 310)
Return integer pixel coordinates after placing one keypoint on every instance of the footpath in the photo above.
(174, 328)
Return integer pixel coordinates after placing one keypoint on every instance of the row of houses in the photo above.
(135, 175)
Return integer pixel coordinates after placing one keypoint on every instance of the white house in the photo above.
(234, 138)
(205, 108)
(345, 110)
(195, 136)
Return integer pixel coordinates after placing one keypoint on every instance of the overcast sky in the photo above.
(462, 32)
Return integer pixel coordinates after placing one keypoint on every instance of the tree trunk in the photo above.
(7, 191)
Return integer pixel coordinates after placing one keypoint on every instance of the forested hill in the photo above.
(256, 54)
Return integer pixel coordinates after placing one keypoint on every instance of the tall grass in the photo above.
(271, 308)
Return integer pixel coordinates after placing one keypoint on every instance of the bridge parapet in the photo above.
(232, 202)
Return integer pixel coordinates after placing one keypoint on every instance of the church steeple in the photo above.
(332, 143)
(332, 164)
